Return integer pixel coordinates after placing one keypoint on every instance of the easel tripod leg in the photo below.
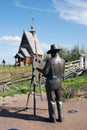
(28, 97)
(34, 99)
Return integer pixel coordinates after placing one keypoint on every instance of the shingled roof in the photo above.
(32, 40)
(83, 55)
(18, 55)
(25, 52)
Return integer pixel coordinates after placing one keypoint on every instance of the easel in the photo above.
(35, 75)
(34, 81)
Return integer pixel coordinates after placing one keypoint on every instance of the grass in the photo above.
(16, 88)
(21, 88)
(7, 70)
(76, 82)
(70, 86)
(8, 74)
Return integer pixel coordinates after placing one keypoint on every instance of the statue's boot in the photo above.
(60, 112)
(52, 116)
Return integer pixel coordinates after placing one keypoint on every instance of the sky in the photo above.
(62, 22)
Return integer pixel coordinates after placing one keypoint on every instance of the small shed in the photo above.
(83, 61)
(28, 49)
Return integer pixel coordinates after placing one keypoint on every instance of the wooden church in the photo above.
(29, 48)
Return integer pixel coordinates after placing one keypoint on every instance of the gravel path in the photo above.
(14, 116)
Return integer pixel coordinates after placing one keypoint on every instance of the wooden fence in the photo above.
(12, 77)
(72, 69)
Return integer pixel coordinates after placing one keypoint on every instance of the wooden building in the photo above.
(28, 49)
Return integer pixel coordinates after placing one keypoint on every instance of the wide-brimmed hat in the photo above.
(54, 48)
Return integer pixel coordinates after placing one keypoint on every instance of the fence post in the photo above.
(11, 77)
(4, 85)
(85, 62)
(81, 62)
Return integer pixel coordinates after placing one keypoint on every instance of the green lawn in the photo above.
(70, 86)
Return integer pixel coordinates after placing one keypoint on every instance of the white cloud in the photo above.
(74, 10)
(8, 48)
(11, 41)
(45, 46)
(21, 5)
(7, 39)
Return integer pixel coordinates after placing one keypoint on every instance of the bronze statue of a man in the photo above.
(53, 71)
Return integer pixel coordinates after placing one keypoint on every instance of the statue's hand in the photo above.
(40, 70)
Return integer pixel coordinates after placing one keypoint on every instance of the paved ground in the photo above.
(13, 115)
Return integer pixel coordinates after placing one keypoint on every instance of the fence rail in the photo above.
(12, 77)
(71, 69)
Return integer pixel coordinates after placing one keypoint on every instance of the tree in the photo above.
(3, 62)
(82, 50)
(63, 53)
(75, 53)
(46, 56)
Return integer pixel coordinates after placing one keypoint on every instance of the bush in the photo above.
(72, 86)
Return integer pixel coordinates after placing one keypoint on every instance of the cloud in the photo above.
(9, 47)
(74, 10)
(7, 39)
(11, 41)
(19, 4)
(45, 46)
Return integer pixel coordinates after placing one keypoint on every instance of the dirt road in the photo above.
(14, 116)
